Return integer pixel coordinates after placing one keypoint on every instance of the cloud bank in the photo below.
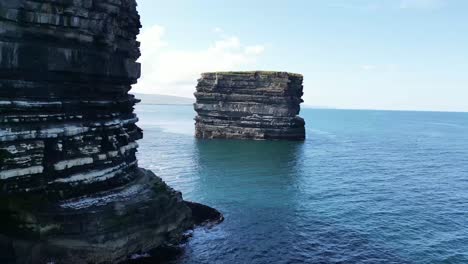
(422, 4)
(170, 71)
(388, 4)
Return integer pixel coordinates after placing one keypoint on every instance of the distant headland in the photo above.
(160, 99)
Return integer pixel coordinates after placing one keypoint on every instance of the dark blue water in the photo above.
(365, 187)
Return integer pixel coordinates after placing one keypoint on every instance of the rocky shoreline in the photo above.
(249, 105)
(71, 190)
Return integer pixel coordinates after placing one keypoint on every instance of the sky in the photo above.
(354, 54)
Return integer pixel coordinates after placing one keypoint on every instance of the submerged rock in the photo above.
(249, 105)
(70, 187)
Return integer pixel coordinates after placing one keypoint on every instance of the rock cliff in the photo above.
(70, 187)
(249, 105)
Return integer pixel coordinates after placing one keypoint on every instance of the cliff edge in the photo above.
(70, 187)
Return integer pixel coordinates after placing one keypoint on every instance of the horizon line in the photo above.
(320, 107)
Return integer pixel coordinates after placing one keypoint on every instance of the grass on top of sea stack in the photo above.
(268, 73)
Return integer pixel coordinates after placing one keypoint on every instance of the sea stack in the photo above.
(71, 190)
(249, 105)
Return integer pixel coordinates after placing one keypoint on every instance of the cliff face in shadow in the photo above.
(249, 105)
(70, 187)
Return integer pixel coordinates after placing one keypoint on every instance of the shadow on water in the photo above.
(278, 157)
(248, 171)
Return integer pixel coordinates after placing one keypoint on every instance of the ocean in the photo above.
(365, 187)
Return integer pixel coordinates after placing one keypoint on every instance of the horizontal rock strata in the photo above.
(249, 105)
(70, 187)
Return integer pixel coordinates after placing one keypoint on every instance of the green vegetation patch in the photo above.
(253, 72)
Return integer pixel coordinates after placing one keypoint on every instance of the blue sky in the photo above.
(357, 54)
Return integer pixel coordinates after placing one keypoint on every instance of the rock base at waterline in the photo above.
(108, 226)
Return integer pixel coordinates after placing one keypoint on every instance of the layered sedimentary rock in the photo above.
(70, 187)
(249, 105)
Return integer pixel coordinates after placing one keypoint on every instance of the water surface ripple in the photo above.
(365, 187)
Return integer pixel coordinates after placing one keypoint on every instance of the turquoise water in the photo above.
(365, 187)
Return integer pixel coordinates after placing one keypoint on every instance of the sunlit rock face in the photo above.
(249, 105)
(71, 190)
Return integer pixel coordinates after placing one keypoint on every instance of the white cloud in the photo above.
(152, 39)
(227, 43)
(166, 70)
(422, 4)
(380, 67)
(254, 50)
(218, 30)
(357, 4)
(368, 67)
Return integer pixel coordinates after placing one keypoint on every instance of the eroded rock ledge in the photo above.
(70, 187)
(249, 105)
